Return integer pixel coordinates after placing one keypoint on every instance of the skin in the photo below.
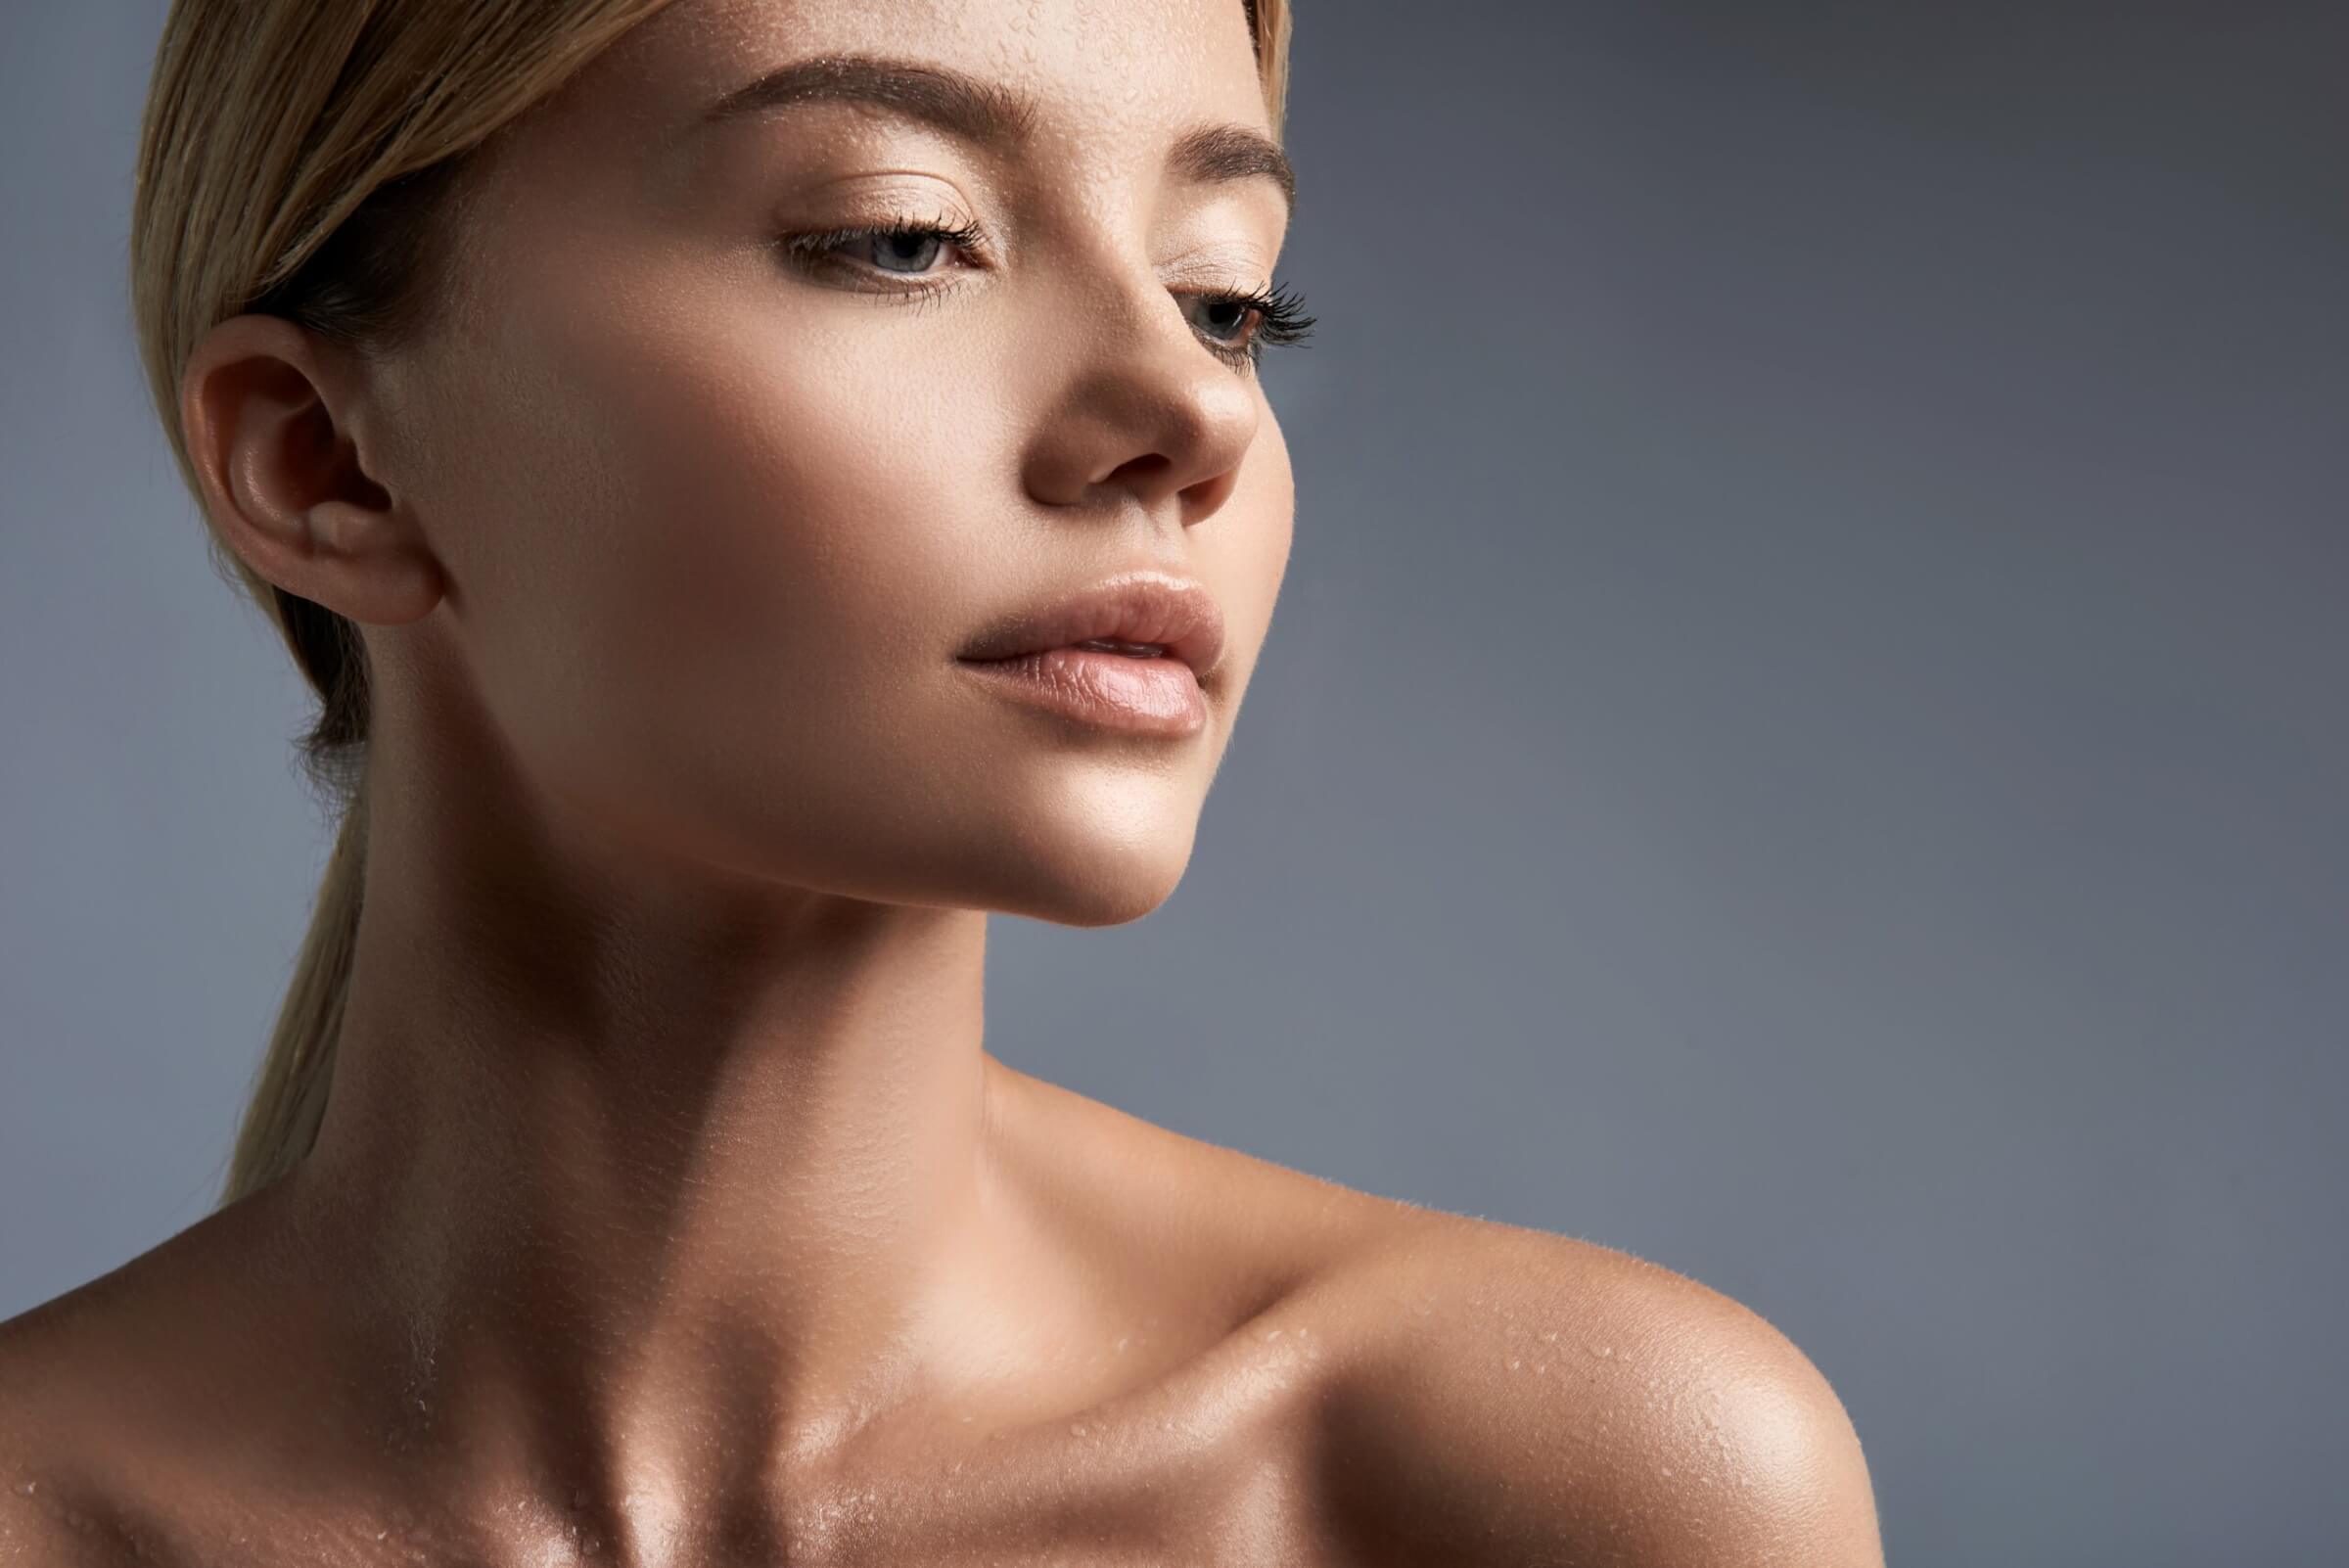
(669, 1208)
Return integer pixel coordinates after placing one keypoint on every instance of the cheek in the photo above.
(767, 500)
(705, 543)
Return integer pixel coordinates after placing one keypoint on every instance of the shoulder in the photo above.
(55, 1533)
(123, 1402)
(54, 1500)
(1518, 1397)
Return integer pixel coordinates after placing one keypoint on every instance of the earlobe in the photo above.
(284, 480)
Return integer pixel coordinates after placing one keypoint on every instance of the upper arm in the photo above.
(1548, 1402)
(1780, 1475)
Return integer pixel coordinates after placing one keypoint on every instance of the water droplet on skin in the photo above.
(1668, 1474)
(1514, 1364)
(1541, 1367)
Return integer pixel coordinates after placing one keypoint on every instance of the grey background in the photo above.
(1805, 738)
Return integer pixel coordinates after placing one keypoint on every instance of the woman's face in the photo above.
(718, 516)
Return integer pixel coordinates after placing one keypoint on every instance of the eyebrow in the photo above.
(986, 114)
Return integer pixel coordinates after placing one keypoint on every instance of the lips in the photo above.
(1154, 608)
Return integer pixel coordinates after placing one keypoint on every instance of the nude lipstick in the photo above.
(1125, 654)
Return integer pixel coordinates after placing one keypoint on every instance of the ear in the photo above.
(266, 406)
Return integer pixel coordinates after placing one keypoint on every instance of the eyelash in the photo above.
(1280, 313)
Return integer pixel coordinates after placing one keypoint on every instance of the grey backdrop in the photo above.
(1805, 738)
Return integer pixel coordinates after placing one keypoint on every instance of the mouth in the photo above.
(1136, 616)
(1127, 653)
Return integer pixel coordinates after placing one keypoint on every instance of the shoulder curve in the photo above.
(1527, 1398)
(36, 1531)
(91, 1422)
(49, 1518)
(41, 1517)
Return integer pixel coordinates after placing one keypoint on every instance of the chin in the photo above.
(1100, 905)
(1092, 878)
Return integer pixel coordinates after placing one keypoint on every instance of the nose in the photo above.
(1144, 414)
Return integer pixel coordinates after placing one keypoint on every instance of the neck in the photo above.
(637, 1172)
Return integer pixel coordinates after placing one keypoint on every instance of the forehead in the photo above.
(1101, 72)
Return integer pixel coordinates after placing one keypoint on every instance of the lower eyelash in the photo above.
(1280, 316)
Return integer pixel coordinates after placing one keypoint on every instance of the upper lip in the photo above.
(1177, 613)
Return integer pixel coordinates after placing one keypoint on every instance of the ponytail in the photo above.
(288, 1092)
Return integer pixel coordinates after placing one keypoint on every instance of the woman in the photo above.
(757, 485)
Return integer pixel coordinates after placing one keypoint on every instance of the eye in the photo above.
(1269, 320)
(900, 249)
(888, 249)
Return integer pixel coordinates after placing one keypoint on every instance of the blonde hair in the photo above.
(301, 161)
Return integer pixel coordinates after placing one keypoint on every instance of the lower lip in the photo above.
(1158, 696)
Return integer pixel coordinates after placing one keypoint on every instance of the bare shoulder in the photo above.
(34, 1531)
(114, 1395)
(1484, 1393)
(55, 1504)
(1516, 1397)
